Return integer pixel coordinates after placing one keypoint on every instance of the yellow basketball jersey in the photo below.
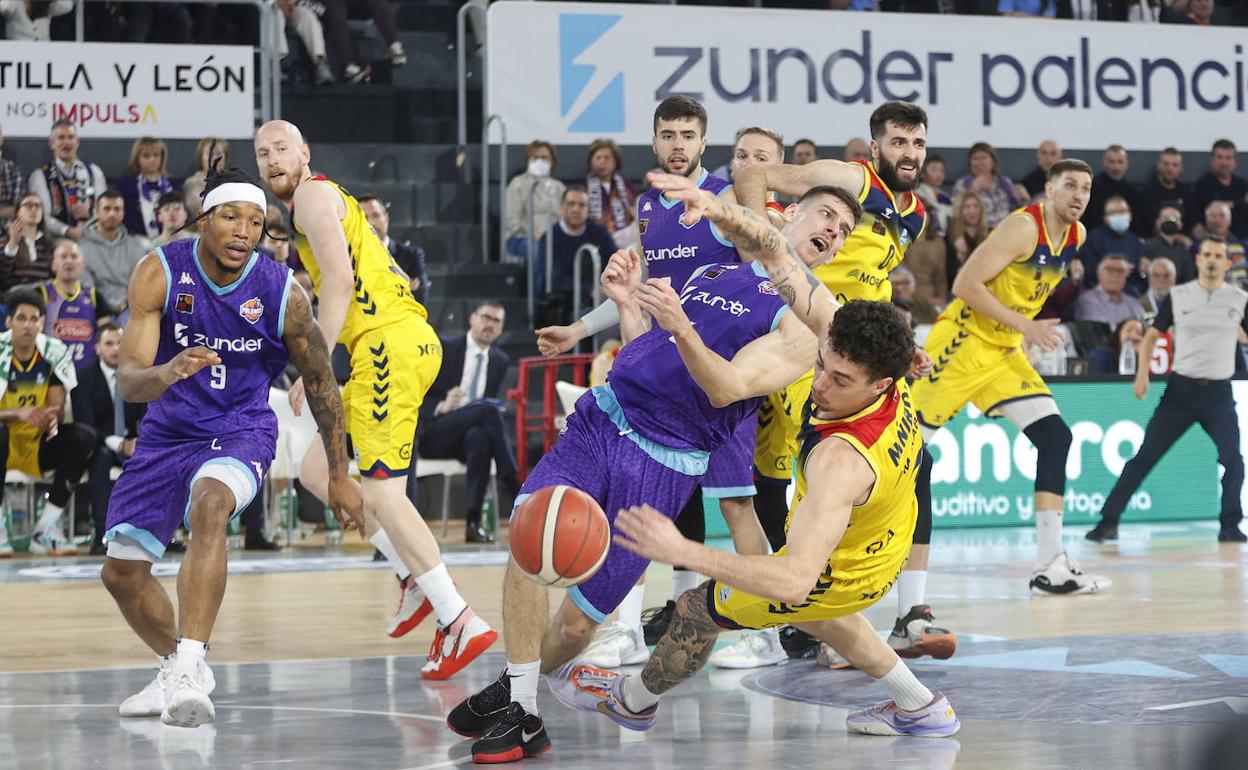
(886, 434)
(1023, 285)
(383, 292)
(28, 386)
(877, 244)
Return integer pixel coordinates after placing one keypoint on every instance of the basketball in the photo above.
(559, 536)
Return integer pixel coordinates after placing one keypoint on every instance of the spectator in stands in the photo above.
(905, 288)
(1199, 12)
(856, 149)
(145, 183)
(1161, 279)
(1110, 181)
(804, 151)
(1103, 359)
(276, 244)
(1147, 11)
(67, 185)
(73, 311)
(1218, 222)
(336, 14)
(157, 23)
(1169, 242)
(967, 229)
(1027, 8)
(1047, 154)
(612, 201)
(303, 19)
(1061, 301)
(30, 19)
(96, 401)
(110, 251)
(573, 230)
(28, 250)
(1107, 302)
(1164, 186)
(460, 417)
(410, 258)
(533, 187)
(996, 192)
(171, 215)
(1221, 183)
(209, 148)
(936, 200)
(927, 259)
(12, 186)
(1112, 236)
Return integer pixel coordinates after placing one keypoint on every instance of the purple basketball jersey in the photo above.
(673, 250)
(243, 322)
(730, 305)
(72, 321)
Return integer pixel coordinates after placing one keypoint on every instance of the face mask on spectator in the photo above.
(1170, 227)
(1118, 222)
(539, 167)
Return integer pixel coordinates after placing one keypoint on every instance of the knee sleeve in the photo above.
(691, 521)
(1051, 437)
(923, 491)
(772, 508)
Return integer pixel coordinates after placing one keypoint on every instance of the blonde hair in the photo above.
(142, 145)
(767, 132)
(957, 221)
(222, 146)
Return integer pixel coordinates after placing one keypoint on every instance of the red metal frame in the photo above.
(544, 421)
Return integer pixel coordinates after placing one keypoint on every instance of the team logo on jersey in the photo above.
(642, 223)
(713, 273)
(767, 287)
(647, 206)
(186, 279)
(251, 310)
(185, 303)
(879, 228)
(724, 593)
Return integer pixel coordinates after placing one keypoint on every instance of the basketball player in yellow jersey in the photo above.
(977, 346)
(366, 304)
(850, 528)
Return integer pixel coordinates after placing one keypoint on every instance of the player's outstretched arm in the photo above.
(838, 477)
(752, 183)
(310, 355)
(621, 279)
(139, 380)
(319, 210)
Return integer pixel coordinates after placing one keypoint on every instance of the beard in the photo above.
(284, 188)
(694, 162)
(888, 172)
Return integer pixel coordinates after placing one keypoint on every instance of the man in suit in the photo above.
(455, 421)
(95, 403)
(410, 258)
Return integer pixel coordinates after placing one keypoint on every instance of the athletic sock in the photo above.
(1048, 536)
(683, 580)
(448, 605)
(189, 653)
(51, 517)
(911, 590)
(631, 607)
(381, 541)
(167, 661)
(908, 692)
(524, 678)
(637, 697)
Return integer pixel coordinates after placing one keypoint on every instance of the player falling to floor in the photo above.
(893, 218)
(648, 435)
(851, 525)
(212, 323)
(366, 303)
(977, 348)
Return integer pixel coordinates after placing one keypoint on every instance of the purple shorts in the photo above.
(152, 496)
(618, 470)
(730, 473)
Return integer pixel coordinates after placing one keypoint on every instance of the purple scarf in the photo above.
(619, 195)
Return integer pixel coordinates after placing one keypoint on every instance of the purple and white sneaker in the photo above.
(935, 720)
(586, 688)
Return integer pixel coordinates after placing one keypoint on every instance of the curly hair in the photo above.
(873, 335)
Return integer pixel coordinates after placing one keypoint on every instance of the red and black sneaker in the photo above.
(517, 735)
(479, 713)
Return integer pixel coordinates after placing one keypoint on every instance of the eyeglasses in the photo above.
(31, 205)
(491, 318)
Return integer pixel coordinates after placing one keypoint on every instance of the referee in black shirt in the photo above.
(1207, 315)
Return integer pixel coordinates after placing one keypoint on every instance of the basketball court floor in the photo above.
(1138, 677)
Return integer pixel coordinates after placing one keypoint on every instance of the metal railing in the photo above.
(595, 263)
(272, 25)
(485, 188)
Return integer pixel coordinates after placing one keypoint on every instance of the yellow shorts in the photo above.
(24, 442)
(966, 369)
(830, 598)
(779, 420)
(391, 369)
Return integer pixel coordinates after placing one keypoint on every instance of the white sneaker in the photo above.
(186, 695)
(413, 608)
(51, 542)
(755, 649)
(449, 654)
(827, 657)
(618, 645)
(6, 550)
(150, 701)
(1064, 576)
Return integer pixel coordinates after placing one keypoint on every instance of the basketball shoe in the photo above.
(914, 636)
(517, 735)
(449, 654)
(150, 701)
(755, 648)
(413, 608)
(656, 620)
(618, 645)
(1064, 576)
(935, 720)
(585, 688)
(828, 657)
(52, 542)
(186, 695)
(479, 713)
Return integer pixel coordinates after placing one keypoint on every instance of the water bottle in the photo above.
(1126, 359)
(333, 532)
(489, 517)
(234, 534)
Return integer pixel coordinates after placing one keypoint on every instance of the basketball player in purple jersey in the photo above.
(212, 322)
(648, 435)
(74, 311)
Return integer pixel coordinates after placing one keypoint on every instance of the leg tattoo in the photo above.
(684, 649)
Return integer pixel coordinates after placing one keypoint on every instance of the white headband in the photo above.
(236, 192)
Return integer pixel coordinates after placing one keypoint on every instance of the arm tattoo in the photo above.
(310, 355)
(755, 237)
(688, 643)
